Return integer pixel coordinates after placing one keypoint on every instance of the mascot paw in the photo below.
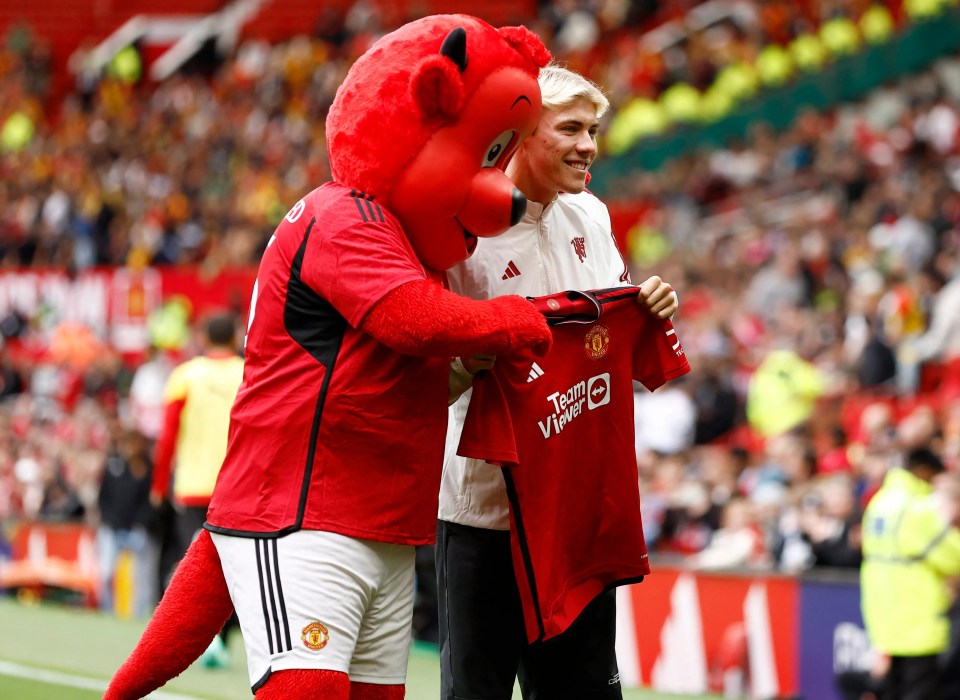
(525, 327)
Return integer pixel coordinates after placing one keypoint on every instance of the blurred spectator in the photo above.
(786, 459)
(877, 363)
(60, 501)
(919, 428)
(942, 339)
(690, 519)
(790, 547)
(782, 283)
(665, 419)
(146, 393)
(11, 380)
(737, 543)
(831, 523)
(125, 518)
(835, 458)
(716, 404)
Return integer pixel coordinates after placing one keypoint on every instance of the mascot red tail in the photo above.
(177, 633)
(418, 134)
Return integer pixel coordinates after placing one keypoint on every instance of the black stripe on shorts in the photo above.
(271, 597)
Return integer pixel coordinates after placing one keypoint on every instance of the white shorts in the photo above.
(319, 600)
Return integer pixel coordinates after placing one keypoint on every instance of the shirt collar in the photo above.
(536, 211)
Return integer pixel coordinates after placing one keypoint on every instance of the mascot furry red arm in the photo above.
(337, 431)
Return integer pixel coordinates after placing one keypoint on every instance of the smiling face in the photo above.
(558, 154)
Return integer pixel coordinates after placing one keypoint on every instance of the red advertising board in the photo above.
(692, 632)
(55, 555)
(116, 302)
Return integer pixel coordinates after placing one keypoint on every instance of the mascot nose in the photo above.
(492, 205)
(518, 207)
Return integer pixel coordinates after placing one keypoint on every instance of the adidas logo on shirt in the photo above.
(511, 271)
(535, 372)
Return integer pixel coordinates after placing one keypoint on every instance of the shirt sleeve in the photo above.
(177, 383)
(165, 447)
(357, 266)
(488, 428)
(619, 272)
(926, 536)
(945, 552)
(658, 355)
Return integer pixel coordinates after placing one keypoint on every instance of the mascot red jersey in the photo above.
(336, 437)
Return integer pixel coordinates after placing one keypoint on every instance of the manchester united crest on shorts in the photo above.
(315, 636)
(596, 341)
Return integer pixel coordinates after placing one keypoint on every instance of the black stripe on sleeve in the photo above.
(615, 294)
(363, 214)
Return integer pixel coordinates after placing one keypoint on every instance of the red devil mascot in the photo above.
(336, 436)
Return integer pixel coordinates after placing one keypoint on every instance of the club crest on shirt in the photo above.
(596, 341)
(579, 244)
(315, 636)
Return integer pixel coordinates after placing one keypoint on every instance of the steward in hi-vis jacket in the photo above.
(909, 553)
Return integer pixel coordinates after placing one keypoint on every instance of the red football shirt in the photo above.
(320, 434)
(562, 428)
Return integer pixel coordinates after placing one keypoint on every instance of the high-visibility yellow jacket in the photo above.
(783, 392)
(909, 553)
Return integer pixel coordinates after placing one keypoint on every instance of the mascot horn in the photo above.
(418, 135)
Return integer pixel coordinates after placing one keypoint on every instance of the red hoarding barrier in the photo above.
(691, 632)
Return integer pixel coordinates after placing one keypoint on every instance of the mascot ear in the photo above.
(527, 44)
(436, 85)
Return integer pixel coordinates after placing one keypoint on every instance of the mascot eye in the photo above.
(496, 149)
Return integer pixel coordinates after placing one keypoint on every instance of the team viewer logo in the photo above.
(567, 406)
(596, 342)
(598, 391)
(315, 636)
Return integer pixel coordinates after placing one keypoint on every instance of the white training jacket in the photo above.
(568, 244)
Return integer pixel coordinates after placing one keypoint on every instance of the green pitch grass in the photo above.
(51, 651)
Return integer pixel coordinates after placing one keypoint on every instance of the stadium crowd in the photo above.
(818, 271)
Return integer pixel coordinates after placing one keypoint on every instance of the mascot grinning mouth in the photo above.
(469, 239)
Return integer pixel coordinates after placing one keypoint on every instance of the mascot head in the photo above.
(425, 121)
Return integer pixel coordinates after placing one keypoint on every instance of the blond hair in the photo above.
(561, 86)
